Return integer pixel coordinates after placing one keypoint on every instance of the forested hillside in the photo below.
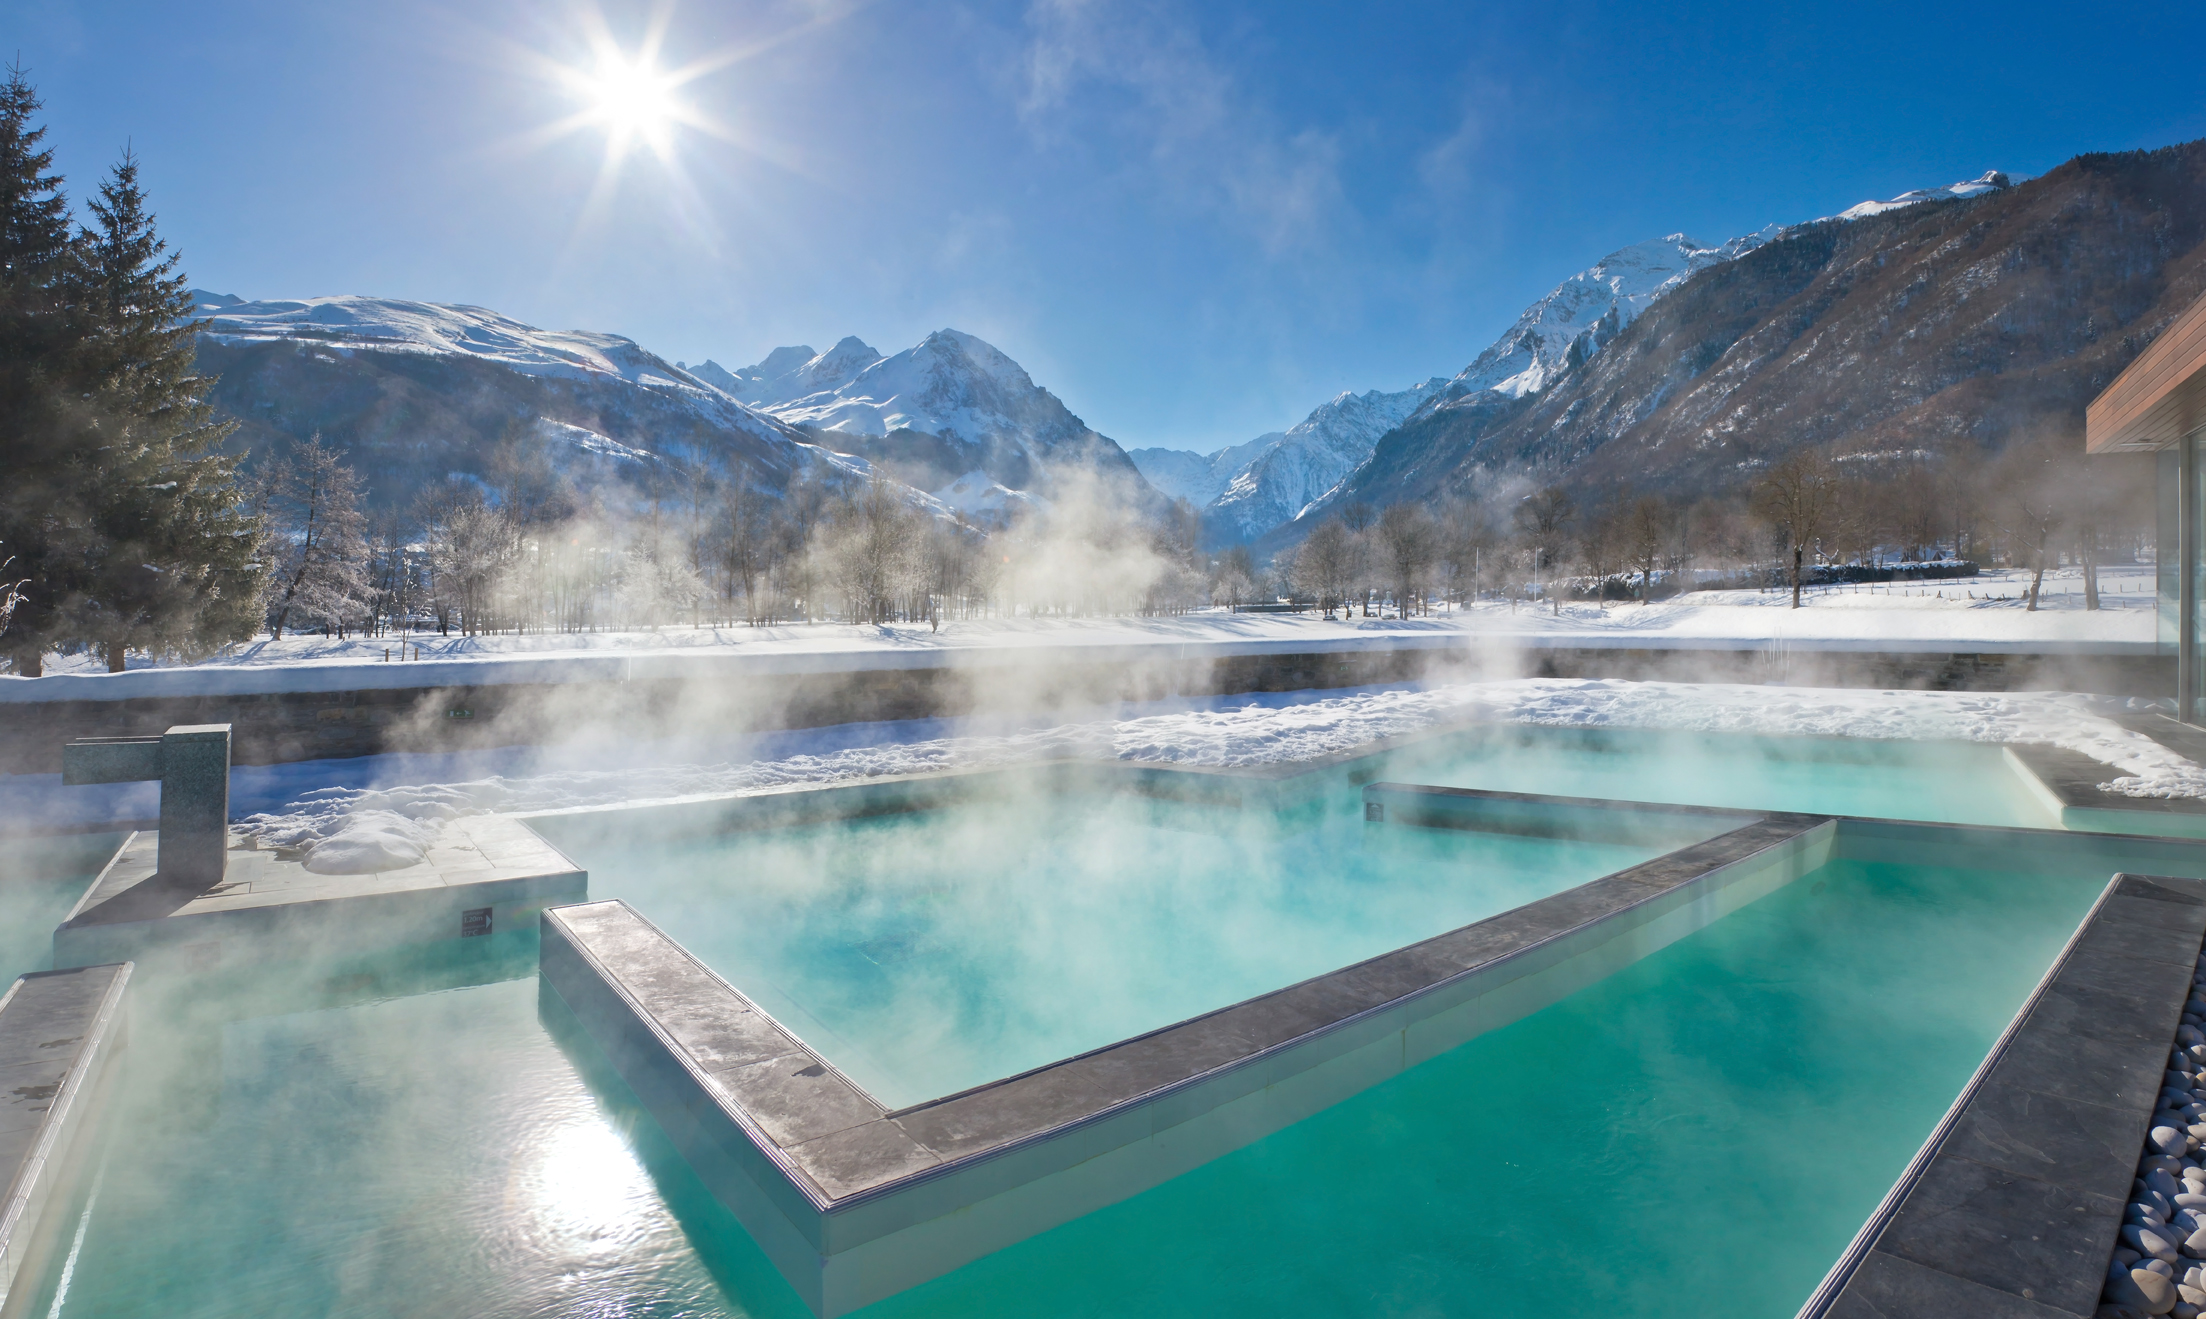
(1950, 327)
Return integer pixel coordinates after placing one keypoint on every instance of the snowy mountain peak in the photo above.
(781, 361)
(977, 409)
(1590, 308)
(846, 359)
(1990, 180)
(1250, 488)
(349, 323)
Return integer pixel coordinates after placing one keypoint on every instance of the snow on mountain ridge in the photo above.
(1591, 307)
(348, 322)
(1314, 456)
(606, 376)
(951, 385)
(1990, 180)
(1200, 478)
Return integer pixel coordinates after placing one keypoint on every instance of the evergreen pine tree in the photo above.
(38, 532)
(174, 563)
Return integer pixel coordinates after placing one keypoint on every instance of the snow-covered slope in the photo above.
(1200, 478)
(1314, 456)
(349, 324)
(413, 393)
(1587, 310)
(980, 409)
(1989, 181)
(1250, 488)
(1573, 322)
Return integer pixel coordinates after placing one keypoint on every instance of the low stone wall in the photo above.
(287, 726)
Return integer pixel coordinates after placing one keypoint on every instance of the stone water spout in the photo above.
(192, 763)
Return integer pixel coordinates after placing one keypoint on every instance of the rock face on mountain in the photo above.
(933, 415)
(414, 392)
(1296, 473)
(1965, 321)
(1199, 478)
(1314, 456)
(1250, 488)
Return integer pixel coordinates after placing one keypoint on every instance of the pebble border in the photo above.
(2159, 1265)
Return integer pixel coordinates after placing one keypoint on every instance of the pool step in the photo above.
(482, 875)
(60, 1032)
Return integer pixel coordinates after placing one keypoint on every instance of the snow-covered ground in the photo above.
(1976, 615)
(379, 811)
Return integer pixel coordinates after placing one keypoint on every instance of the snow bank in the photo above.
(1984, 615)
(370, 828)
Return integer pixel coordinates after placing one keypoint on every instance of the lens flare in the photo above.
(633, 99)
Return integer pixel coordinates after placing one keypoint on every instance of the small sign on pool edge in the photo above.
(474, 922)
(1374, 812)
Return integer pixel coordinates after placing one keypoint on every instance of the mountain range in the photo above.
(1263, 485)
(1963, 314)
(1970, 317)
(951, 415)
(414, 393)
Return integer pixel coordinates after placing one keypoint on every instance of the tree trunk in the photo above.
(1796, 555)
(2037, 580)
(29, 663)
(2090, 556)
(115, 652)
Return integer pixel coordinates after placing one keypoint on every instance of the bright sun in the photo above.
(633, 98)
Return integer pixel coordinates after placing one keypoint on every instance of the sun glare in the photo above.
(633, 99)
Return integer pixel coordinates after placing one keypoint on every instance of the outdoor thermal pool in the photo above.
(928, 952)
(41, 878)
(1954, 782)
(1697, 1135)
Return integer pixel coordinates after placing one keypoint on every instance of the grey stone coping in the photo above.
(1588, 818)
(842, 1172)
(2072, 779)
(59, 1034)
(2012, 1207)
(481, 874)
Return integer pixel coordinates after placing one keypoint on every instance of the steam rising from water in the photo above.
(355, 829)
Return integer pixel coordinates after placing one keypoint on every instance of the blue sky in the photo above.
(1192, 222)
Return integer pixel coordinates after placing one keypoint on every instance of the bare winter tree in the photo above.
(471, 544)
(2035, 483)
(1648, 532)
(1796, 498)
(1408, 542)
(871, 545)
(1233, 577)
(1323, 566)
(310, 500)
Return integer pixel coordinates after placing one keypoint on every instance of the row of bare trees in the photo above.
(525, 550)
(2034, 506)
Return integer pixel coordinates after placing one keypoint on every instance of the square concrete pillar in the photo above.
(195, 802)
(192, 761)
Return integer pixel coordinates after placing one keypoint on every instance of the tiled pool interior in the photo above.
(1698, 1134)
(1952, 782)
(929, 952)
(41, 878)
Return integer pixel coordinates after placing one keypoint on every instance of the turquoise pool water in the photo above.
(1698, 1135)
(40, 880)
(930, 952)
(1951, 782)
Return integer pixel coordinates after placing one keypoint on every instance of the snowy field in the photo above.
(377, 812)
(1984, 614)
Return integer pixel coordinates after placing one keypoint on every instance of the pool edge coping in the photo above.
(981, 1138)
(45, 1170)
(1936, 1295)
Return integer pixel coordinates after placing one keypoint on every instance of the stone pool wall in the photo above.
(715, 695)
